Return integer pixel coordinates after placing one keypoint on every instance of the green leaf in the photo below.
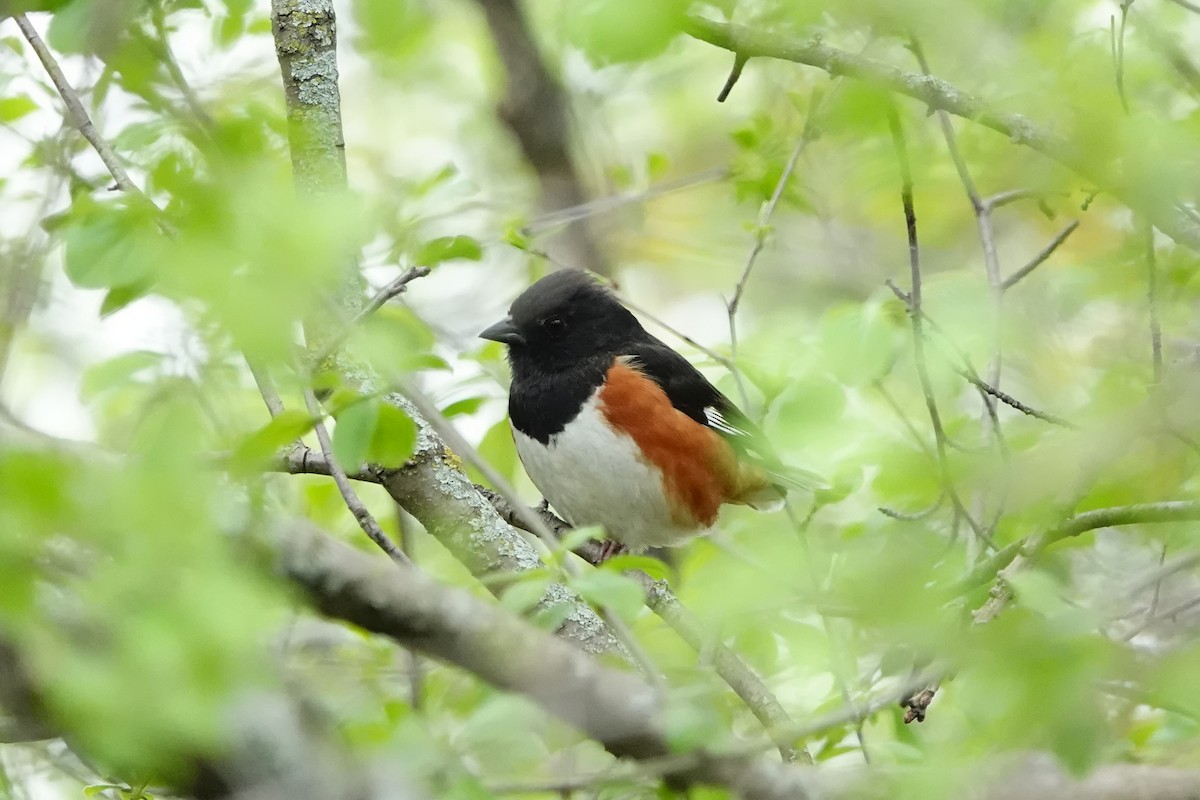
(524, 595)
(577, 536)
(70, 28)
(515, 236)
(261, 445)
(614, 31)
(462, 407)
(623, 563)
(497, 449)
(603, 588)
(352, 436)
(446, 248)
(15, 107)
(394, 438)
(118, 297)
(99, 788)
(108, 244)
(109, 374)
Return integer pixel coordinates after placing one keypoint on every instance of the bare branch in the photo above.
(266, 387)
(199, 112)
(393, 289)
(1131, 189)
(617, 709)
(75, 109)
(735, 72)
(991, 262)
(1156, 354)
(917, 318)
(600, 205)
(1013, 402)
(1041, 257)
(1118, 51)
(739, 675)
(1001, 592)
(1009, 197)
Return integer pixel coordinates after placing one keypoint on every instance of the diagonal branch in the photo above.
(353, 502)
(1136, 191)
(1022, 557)
(1041, 256)
(617, 709)
(659, 598)
(75, 109)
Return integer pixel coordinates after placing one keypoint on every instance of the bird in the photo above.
(617, 429)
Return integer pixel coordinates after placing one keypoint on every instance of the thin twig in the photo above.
(78, 113)
(1189, 6)
(1153, 620)
(1164, 571)
(1013, 402)
(1117, 40)
(968, 371)
(416, 664)
(913, 516)
(1162, 557)
(683, 337)
(740, 677)
(393, 289)
(760, 236)
(735, 72)
(360, 512)
(1011, 196)
(1152, 300)
(266, 387)
(991, 262)
(1041, 257)
(917, 317)
(901, 415)
(158, 18)
(600, 205)
(836, 646)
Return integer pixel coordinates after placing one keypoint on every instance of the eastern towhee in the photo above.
(617, 429)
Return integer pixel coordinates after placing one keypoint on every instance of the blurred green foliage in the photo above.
(130, 579)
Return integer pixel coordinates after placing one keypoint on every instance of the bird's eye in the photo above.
(554, 327)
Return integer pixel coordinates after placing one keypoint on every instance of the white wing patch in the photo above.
(717, 420)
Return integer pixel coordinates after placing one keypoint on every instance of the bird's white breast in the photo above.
(593, 475)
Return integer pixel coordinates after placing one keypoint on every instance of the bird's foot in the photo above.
(610, 548)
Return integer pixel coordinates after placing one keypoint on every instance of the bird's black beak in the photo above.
(505, 332)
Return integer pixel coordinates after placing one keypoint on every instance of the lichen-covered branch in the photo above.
(624, 713)
(306, 44)
(617, 709)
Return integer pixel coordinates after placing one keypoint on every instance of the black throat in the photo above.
(541, 404)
